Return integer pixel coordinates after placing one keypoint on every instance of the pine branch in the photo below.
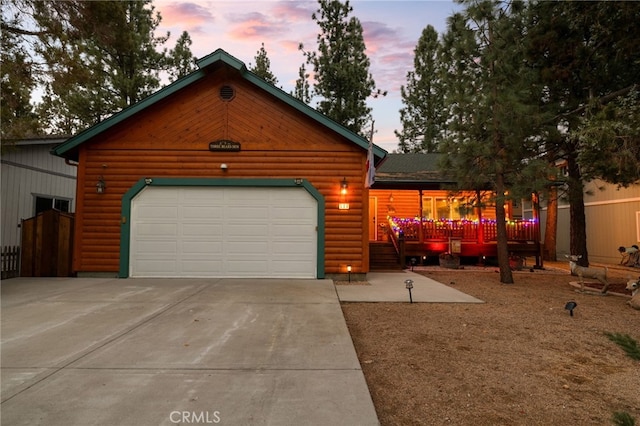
(627, 343)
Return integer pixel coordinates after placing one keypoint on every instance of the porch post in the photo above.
(480, 226)
(420, 230)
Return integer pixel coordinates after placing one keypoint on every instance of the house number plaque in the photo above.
(224, 146)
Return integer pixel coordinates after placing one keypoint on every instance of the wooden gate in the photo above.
(47, 245)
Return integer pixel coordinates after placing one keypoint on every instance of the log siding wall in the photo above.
(171, 139)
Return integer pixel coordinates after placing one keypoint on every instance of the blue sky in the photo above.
(391, 32)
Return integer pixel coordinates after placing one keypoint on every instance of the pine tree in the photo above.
(584, 62)
(423, 124)
(94, 58)
(341, 67)
(302, 90)
(19, 79)
(180, 60)
(263, 67)
(491, 142)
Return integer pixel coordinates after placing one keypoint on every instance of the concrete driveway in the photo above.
(178, 351)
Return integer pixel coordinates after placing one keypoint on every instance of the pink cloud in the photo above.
(295, 11)
(191, 15)
(255, 25)
(378, 35)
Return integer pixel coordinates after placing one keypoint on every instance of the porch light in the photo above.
(101, 186)
(344, 186)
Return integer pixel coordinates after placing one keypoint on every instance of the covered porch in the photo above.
(415, 217)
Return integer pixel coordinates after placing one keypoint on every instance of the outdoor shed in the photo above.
(220, 174)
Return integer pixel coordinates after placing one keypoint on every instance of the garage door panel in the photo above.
(158, 212)
(283, 232)
(291, 248)
(248, 248)
(193, 196)
(247, 214)
(156, 230)
(202, 230)
(291, 213)
(157, 246)
(209, 267)
(203, 213)
(246, 232)
(202, 248)
(152, 267)
(223, 232)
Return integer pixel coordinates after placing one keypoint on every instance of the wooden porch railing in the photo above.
(465, 230)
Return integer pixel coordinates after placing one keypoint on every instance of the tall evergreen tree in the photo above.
(341, 67)
(585, 61)
(94, 58)
(107, 67)
(422, 117)
(262, 67)
(492, 143)
(19, 79)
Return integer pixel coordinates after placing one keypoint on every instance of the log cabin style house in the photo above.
(220, 174)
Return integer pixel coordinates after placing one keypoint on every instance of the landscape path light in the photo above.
(409, 285)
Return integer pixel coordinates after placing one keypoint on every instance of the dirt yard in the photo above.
(518, 359)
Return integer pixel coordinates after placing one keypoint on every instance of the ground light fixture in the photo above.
(409, 285)
(570, 306)
(349, 272)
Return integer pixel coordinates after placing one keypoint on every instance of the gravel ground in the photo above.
(518, 359)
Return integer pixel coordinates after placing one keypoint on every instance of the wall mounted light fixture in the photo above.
(344, 186)
(101, 186)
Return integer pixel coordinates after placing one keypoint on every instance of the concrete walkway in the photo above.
(178, 351)
(390, 287)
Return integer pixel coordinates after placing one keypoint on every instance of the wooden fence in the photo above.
(10, 262)
(47, 245)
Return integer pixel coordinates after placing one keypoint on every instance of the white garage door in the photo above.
(223, 232)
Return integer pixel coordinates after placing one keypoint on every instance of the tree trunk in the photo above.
(578, 221)
(551, 226)
(506, 277)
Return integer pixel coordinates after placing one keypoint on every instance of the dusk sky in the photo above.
(391, 32)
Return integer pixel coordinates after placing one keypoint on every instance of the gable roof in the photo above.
(411, 171)
(69, 148)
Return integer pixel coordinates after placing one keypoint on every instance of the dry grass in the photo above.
(518, 359)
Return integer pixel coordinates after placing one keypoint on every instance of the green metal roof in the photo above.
(69, 148)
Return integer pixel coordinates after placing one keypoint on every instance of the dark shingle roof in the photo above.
(413, 170)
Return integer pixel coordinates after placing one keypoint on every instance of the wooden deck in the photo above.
(424, 239)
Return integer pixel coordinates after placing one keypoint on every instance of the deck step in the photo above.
(383, 256)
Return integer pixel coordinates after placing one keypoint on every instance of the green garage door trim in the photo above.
(125, 227)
